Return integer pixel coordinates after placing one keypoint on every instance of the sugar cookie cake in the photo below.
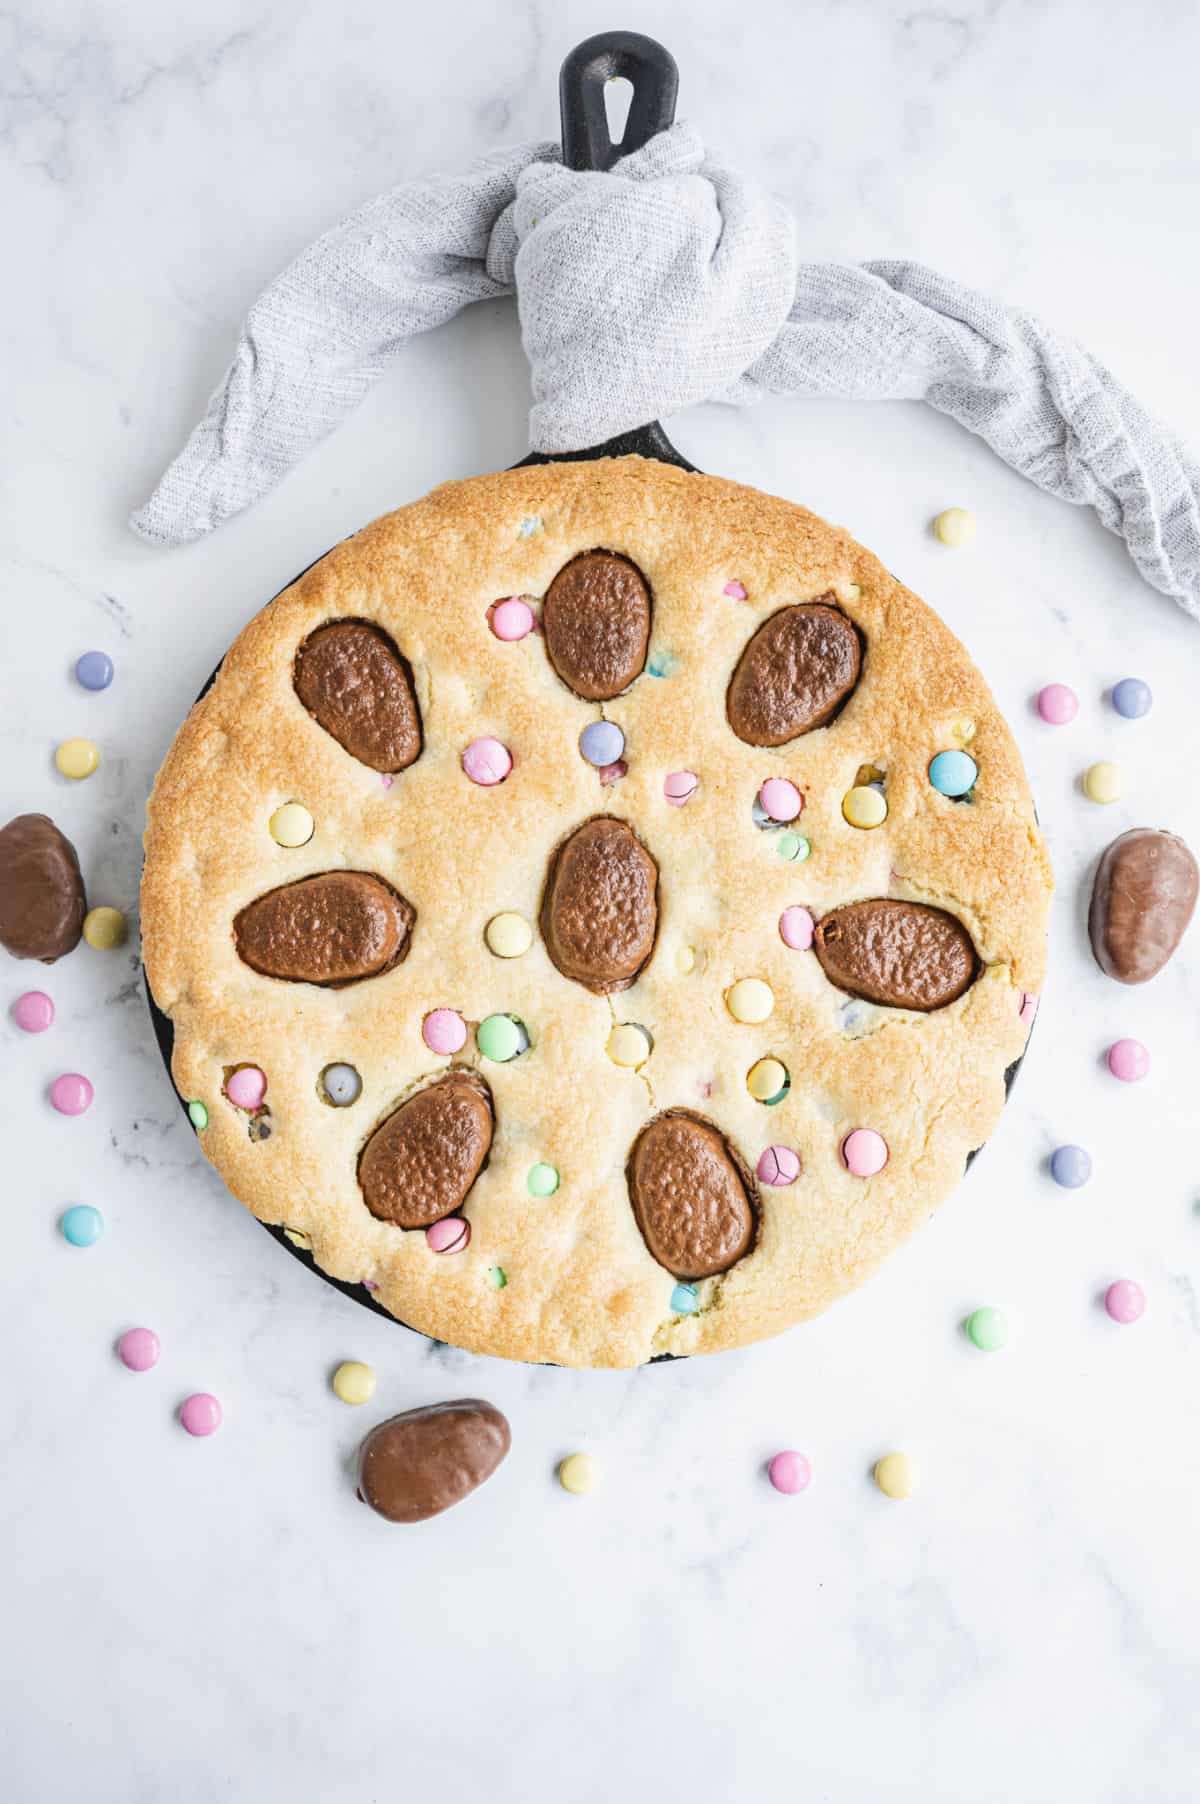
(597, 906)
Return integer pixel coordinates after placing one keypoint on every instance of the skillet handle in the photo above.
(608, 56)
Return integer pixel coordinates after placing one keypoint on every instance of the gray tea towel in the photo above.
(669, 280)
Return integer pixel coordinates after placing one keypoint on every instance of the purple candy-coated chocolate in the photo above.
(450, 1235)
(487, 762)
(789, 1472)
(71, 1093)
(796, 928)
(139, 1349)
(1128, 1060)
(200, 1413)
(444, 1031)
(33, 1012)
(1125, 1301)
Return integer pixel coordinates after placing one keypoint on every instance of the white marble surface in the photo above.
(192, 1621)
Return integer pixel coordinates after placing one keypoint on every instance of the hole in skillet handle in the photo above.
(587, 144)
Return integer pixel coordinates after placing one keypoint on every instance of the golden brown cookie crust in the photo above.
(582, 1289)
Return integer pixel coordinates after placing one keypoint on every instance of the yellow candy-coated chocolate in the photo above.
(628, 1045)
(963, 729)
(685, 960)
(104, 928)
(896, 1476)
(864, 807)
(766, 1079)
(508, 935)
(77, 758)
(750, 1000)
(1104, 782)
(955, 526)
(354, 1382)
(579, 1474)
(292, 825)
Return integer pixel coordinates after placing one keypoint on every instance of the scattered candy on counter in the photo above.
(542, 1179)
(423, 1462)
(793, 847)
(445, 1032)
(778, 1166)
(1104, 782)
(1128, 1060)
(508, 935)
(679, 786)
(197, 1115)
(200, 1414)
(138, 1349)
(82, 1225)
(796, 928)
(1125, 1301)
(354, 1381)
(497, 1277)
(1070, 1166)
(450, 1235)
(511, 619)
(779, 799)
(987, 1328)
(501, 1038)
(1057, 704)
(864, 806)
(685, 1299)
(292, 825)
(487, 762)
(864, 1152)
(601, 743)
(685, 960)
(1132, 698)
(896, 1476)
(628, 1045)
(72, 1093)
(789, 1472)
(77, 758)
(1142, 900)
(954, 526)
(578, 1474)
(750, 1000)
(953, 774)
(768, 1081)
(735, 590)
(42, 903)
(33, 1012)
(94, 670)
(341, 1085)
(246, 1087)
(105, 929)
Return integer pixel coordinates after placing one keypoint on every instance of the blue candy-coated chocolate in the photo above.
(94, 670)
(82, 1225)
(1132, 698)
(602, 743)
(953, 773)
(684, 1300)
(1070, 1166)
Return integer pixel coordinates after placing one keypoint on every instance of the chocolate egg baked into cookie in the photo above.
(597, 906)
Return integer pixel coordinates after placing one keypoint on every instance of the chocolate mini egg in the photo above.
(599, 910)
(596, 623)
(1142, 900)
(692, 1195)
(796, 673)
(418, 1464)
(333, 929)
(898, 954)
(42, 904)
(423, 1158)
(354, 682)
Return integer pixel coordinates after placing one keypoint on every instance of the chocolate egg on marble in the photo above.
(332, 929)
(423, 1158)
(898, 954)
(418, 1464)
(599, 910)
(42, 902)
(596, 623)
(692, 1195)
(354, 682)
(796, 673)
(1142, 900)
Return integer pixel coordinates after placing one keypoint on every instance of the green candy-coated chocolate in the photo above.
(987, 1328)
(198, 1116)
(499, 1038)
(542, 1179)
(793, 847)
(496, 1277)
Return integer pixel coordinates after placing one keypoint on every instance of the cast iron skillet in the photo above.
(586, 145)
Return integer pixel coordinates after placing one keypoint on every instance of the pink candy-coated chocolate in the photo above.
(33, 1012)
(450, 1235)
(612, 773)
(511, 620)
(387, 779)
(1125, 1301)
(487, 762)
(780, 799)
(444, 1031)
(789, 1472)
(1128, 1060)
(864, 1152)
(200, 1413)
(71, 1093)
(1027, 1008)
(778, 1166)
(796, 928)
(736, 590)
(138, 1348)
(1057, 704)
(246, 1088)
(679, 786)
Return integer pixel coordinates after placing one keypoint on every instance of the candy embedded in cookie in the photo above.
(42, 904)
(797, 672)
(596, 624)
(599, 912)
(356, 684)
(1142, 900)
(692, 1195)
(423, 1158)
(333, 929)
(422, 1462)
(899, 954)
